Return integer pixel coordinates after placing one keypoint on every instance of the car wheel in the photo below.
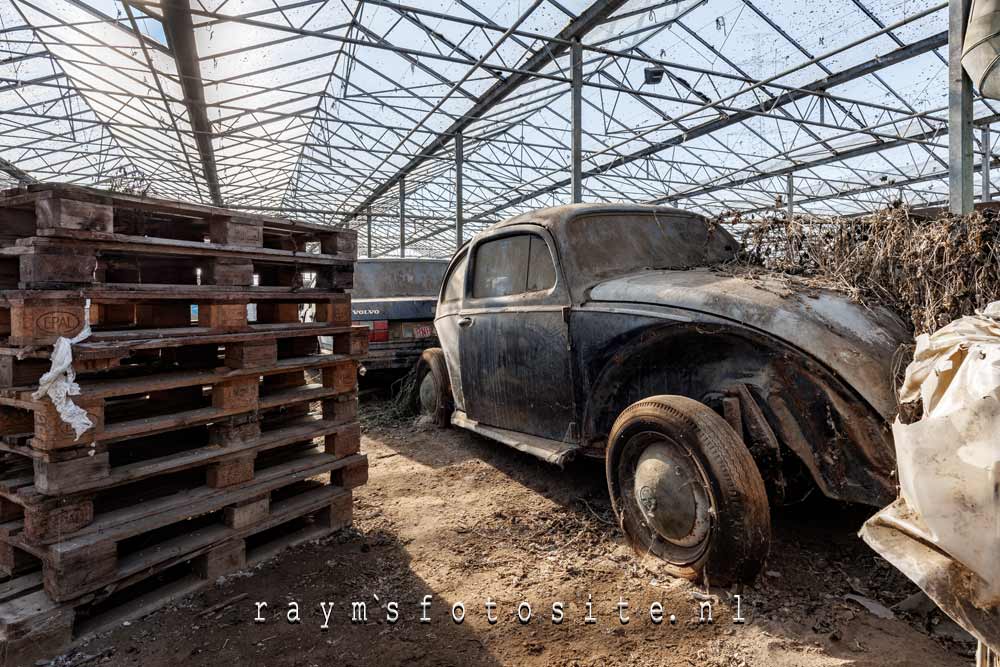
(685, 488)
(432, 388)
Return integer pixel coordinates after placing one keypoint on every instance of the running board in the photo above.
(550, 451)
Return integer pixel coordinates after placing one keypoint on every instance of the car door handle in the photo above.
(464, 321)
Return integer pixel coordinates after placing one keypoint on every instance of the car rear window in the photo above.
(455, 282)
(603, 246)
(541, 270)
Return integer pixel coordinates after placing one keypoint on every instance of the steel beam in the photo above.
(860, 151)
(402, 217)
(865, 189)
(959, 112)
(179, 29)
(459, 190)
(820, 100)
(492, 169)
(987, 158)
(934, 176)
(848, 154)
(163, 95)
(576, 121)
(16, 172)
(894, 57)
(590, 18)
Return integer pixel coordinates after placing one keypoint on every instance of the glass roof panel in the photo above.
(320, 108)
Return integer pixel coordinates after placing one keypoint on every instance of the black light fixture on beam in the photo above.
(654, 74)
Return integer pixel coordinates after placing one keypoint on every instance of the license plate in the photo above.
(425, 331)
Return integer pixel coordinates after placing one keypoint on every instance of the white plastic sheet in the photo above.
(949, 461)
(59, 383)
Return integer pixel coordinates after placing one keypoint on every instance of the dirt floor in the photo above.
(454, 516)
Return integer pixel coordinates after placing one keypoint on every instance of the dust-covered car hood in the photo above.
(855, 342)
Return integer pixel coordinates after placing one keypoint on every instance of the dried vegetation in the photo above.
(928, 270)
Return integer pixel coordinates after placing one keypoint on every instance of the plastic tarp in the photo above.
(944, 530)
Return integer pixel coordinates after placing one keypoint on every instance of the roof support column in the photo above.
(402, 217)
(368, 224)
(459, 194)
(987, 157)
(576, 115)
(959, 112)
(791, 196)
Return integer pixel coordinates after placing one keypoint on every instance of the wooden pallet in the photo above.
(138, 536)
(33, 625)
(120, 354)
(144, 263)
(130, 428)
(38, 317)
(221, 431)
(216, 455)
(208, 392)
(69, 211)
(56, 263)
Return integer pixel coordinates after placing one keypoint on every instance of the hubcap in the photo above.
(671, 495)
(428, 394)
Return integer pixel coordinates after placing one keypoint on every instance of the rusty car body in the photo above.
(554, 322)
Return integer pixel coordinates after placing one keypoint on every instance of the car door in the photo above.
(446, 322)
(514, 336)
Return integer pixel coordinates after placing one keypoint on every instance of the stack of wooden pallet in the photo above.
(220, 431)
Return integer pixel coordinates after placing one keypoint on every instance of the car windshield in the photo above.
(602, 246)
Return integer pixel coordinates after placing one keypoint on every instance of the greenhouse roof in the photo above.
(325, 110)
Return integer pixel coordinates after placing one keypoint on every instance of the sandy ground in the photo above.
(459, 518)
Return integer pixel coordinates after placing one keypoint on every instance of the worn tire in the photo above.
(675, 454)
(431, 393)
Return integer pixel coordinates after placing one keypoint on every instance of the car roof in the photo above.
(402, 260)
(556, 215)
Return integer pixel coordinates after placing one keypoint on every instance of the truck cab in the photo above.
(396, 300)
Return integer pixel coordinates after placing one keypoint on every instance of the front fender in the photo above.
(625, 356)
(854, 341)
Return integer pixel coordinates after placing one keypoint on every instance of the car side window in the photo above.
(455, 283)
(512, 265)
(541, 270)
(501, 267)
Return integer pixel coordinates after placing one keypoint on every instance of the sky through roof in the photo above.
(317, 109)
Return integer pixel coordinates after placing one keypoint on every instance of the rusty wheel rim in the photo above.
(428, 394)
(668, 495)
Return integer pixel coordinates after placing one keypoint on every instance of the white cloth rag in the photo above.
(59, 383)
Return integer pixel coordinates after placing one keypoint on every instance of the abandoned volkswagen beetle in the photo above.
(605, 331)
